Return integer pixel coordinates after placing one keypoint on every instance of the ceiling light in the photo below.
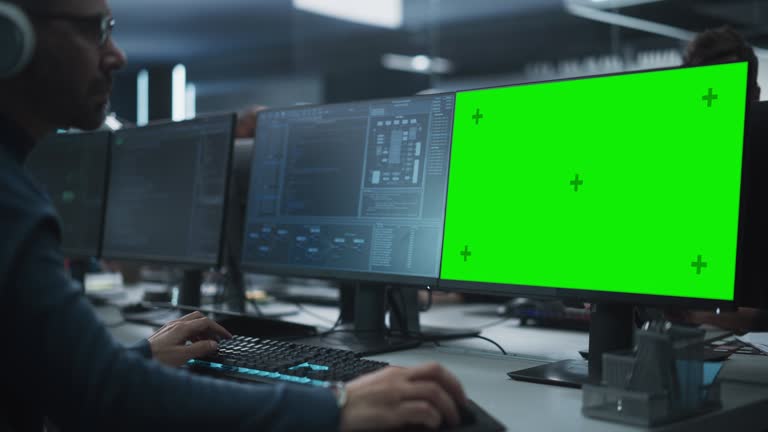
(379, 13)
(418, 64)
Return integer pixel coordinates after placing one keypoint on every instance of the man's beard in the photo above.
(93, 117)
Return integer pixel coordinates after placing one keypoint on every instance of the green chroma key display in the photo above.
(625, 183)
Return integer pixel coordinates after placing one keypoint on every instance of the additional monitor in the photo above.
(621, 188)
(350, 190)
(168, 191)
(72, 168)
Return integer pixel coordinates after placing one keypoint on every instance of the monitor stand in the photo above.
(190, 297)
(611, 329)
(405, 303)
(189, 290)
(234, 289)
(363, 327)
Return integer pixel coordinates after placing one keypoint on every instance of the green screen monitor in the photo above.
(619, 187)
(617, 190)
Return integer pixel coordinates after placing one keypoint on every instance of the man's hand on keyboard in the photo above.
(390, 398)
(170, 343)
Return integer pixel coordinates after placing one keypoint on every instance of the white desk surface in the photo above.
(523, 406)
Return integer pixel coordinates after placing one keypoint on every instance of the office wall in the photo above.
(217, 96)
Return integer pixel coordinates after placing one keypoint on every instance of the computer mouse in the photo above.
(517, 306)
(466, 414)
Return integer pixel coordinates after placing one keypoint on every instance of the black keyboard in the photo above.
(268, 360)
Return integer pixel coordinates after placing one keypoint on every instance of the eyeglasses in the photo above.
(87, 24)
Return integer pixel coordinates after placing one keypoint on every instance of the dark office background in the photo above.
(274, 52)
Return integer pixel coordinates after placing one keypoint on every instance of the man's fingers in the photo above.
(436, 396)
(217, 329)
(187, 317)
(435, 372)
(192, 316)
(199, 349)
(204, 327)
(414, 412)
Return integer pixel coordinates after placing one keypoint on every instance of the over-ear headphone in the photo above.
(17, 40)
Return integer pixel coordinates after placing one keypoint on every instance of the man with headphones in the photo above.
(59, 362)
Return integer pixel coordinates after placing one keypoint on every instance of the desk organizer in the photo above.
(664, 379)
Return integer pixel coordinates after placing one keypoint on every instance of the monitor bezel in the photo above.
(340, 275)
(349, 102)
(743, 296)
(290, 270)
(176, 261)
(520, 290)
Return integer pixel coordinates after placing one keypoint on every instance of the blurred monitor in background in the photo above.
(245, 127)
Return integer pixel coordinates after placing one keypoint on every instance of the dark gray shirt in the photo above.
(58, 360)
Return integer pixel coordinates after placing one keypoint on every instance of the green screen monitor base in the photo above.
(611, 329)
(566, 373)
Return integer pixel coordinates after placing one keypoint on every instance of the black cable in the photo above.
(395, 309)
(256, 307)
(437, 342)
(318, 316)
(404, 317)
(336, 324)
(429, 300)
(493, 342)
(333, 328)
(320, 334)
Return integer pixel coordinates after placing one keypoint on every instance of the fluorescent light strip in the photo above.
(379, 13)
(614, 4)
(418, 64)
(142, 97)
(179, 93)
(583, 11)
(628, 22)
